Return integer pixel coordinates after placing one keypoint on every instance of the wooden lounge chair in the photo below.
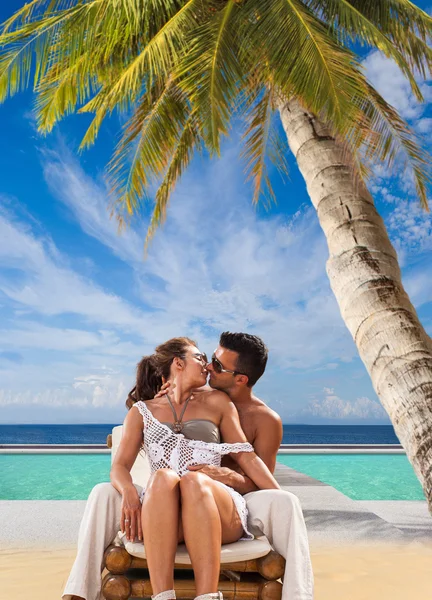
(249, 569)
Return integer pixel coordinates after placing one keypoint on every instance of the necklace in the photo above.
(178, 425)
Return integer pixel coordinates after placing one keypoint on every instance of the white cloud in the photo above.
(424, 125)
(388, 79)
(105, 389)
(418, 284)
(215, 265)
(331, 407)
(409, 225)
(43, 282)
(88, 201)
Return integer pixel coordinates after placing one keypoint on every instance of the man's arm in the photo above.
(266, 445)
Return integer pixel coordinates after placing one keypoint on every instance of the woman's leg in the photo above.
(209, 519)
(160, 523)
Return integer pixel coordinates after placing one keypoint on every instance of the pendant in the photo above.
(178, 427)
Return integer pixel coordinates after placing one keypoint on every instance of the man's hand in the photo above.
(166, 388)
(222, 474)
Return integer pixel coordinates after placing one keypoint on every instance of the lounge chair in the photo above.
(250, 570)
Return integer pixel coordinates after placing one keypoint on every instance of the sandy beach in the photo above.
(357, 572)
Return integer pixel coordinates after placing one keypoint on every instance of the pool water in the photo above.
(361, 476)
(72, 476)
(51, 476)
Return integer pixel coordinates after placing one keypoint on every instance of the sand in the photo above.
(357, 572)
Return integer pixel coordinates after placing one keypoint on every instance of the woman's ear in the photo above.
(179, 363)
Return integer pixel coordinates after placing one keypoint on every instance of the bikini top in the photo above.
(166, 449)
(199, 429)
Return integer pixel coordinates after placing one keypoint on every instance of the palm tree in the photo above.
(183, 68)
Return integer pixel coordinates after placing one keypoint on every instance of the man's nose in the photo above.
(209, 366)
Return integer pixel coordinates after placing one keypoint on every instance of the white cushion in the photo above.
(244, 550)
(141, 468)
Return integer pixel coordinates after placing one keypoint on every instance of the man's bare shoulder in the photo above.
(262, 411)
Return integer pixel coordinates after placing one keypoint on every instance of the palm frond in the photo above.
(31, 44)
(302, 58)
(34, 10)
(389, 15)
(154, 61)
(210, 72)
(391, 139)
(60, 93)
(188, 143)
(349, 24)
(261, 144)
(149, 135)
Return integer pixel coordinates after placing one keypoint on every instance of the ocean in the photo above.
(293, 434)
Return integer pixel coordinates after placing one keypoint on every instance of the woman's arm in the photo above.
(127, 451)
(232, 433)
(130, 520)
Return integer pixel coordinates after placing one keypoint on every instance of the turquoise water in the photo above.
(51, 476)
(361, 476)
(72, 476)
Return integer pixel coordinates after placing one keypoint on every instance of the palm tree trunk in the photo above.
(366, 280)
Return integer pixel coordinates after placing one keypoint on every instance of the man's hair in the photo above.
(252, 353)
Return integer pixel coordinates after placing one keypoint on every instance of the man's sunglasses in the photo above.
(219, 368)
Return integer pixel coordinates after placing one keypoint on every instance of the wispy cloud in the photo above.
(330, 407)
(39, 278)
(216, 265)
(409, 226)
(389, 80)
(87, 199)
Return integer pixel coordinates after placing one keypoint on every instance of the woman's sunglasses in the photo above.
(202, 356)
(219, 368)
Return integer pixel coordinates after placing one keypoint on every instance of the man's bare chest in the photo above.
(248, 424)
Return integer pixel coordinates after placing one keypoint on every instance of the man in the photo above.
(237, 364)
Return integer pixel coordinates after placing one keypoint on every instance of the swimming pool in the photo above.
(72, 476)
(361, 476)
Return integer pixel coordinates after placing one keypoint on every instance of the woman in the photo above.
(180, 505)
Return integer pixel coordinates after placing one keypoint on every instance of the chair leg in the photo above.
(270, 590)
(117, 560)
(116, 587)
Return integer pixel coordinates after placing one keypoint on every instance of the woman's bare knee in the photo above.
(163, 480)
(194, 483)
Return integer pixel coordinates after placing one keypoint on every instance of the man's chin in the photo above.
(212, 383)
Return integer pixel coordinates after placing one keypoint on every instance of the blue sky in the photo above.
(79, 305)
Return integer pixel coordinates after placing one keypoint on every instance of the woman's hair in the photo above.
(152, 368)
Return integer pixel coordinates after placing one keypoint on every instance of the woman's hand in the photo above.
(130, 521)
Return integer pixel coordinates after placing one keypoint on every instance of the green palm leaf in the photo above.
(303, 59)
(150, 136)
(390, 138)
(155, 60)
(210, 73)
(350, 24)
(33, 42)
(188, 143)
(261, 143)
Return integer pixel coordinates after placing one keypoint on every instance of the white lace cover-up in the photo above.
(169, 450)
